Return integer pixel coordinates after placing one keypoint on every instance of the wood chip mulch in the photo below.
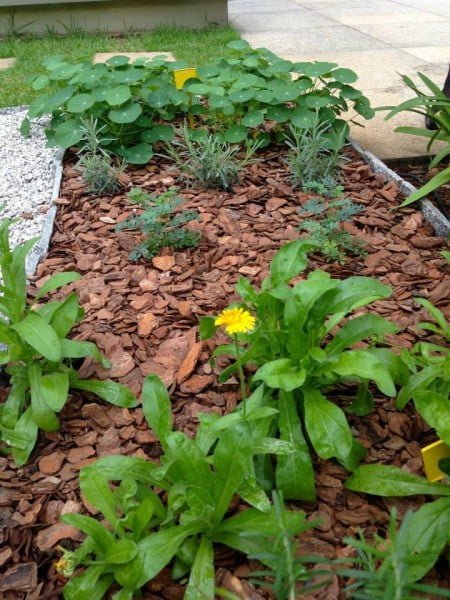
(144, 318)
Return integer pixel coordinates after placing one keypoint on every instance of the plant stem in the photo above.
(241, 376)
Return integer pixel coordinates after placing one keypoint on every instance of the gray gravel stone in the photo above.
(30, 176)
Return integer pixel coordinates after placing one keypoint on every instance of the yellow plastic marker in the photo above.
(431, 456)
(182, 75)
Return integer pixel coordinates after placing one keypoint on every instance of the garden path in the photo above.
(378, 39)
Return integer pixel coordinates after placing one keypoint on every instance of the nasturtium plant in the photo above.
(235, 96)
(302, 346)
(199, 477)
(37, 355)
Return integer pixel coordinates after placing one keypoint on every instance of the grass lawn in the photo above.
(195, 46)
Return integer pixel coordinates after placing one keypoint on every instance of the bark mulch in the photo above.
(144, 318)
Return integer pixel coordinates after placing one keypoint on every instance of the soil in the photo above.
(144, 317)
(417, 171)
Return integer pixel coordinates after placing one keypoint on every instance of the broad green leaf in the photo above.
(278, 113)
(125, 114)
(207, 328)
(352, 293)
(118, 468)
(80, 103)
(67, 134)
(314, 69)
(344, 75)
(364, 365)
(189, 463)
(14, 403)
(294, 471)
(112, 392)
(40, 82)
(435, 409)
(442, 178)
(358, 329)
(386, 480)
(96, 490)
(163, 133)
(43, 415)
(238, 45)
(235, 134)
(231, 456)
(427, 537)
(201, 583)
(302, 118)
(253, 118)
(27, 428)
(139, 154)
(55, 389)
(103, 539)
(158, 549)
(288, 262)
(157, 407)
(281, 374)
(76, 349)
(66, 315)
(117, 61)
(90, 585)
(39, 335)
(327, 426)
(241, 96)
(122, 551)
(55, 282)
(118, 95)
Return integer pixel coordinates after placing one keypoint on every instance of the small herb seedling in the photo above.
(161, 224)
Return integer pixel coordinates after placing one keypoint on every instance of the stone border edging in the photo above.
(432, 214)
(40, 249)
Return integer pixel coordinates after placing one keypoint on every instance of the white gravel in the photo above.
(29, 180)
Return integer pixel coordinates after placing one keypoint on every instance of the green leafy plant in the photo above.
(387, 569)
(246, 90)
(289, 568)
(301, 348)
(96, 164)
(208, 160)
(324, 227)
(429, 383)
(129, 102)
(434, 105)
(237, 96)
(37, 355)
(199, 477)
(161, 224)
(314, 157)
(428, 533)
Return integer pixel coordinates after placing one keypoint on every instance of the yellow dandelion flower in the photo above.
(235, 320)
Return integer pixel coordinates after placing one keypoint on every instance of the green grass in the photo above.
(197, 47)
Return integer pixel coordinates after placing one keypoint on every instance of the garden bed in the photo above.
(144, 317)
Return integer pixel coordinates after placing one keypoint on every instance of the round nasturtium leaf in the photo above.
(117, 95)
(128, 75)
(126, 114)
(40, 82)
(53, 61)
(241, 96)
(344, 75)
(303, 118)
(139, 154)
(315, 69)
(253, 118)
(265, 96)
(80, 103)
(284, 91)
(91, 76)
(67, 134)
(200, 89)
(235, 134)
(220, 102)
(238, 45)
(245, 81)
(349, 92)
(158, 99)
(158, 133)
(118, 61)
(208, 71)
(279, 113)
(317, 101)
(64, 71)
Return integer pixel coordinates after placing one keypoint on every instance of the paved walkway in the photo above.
(376, 38)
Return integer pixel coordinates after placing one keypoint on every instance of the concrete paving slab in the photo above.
(287, 20)
(7, 63)
(401, 34)
(440, 7)
(315, 40)
(357, 7)
(412, 17)
(103, 56)
(430, 54)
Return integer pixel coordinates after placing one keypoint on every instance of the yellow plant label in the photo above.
(182, 75)
(431, 456)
